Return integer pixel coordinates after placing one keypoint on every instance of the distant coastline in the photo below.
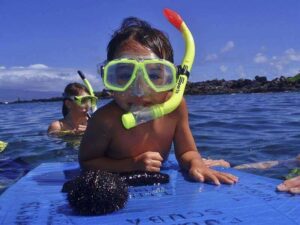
(259, 84)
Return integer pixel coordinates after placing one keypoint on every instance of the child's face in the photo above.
(140, 94)
(83, 109)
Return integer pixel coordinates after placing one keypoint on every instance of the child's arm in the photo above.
(188, 155)
(259, 165)
(54, 127)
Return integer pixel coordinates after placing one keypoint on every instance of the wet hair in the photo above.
(135, 29)
(72, 89)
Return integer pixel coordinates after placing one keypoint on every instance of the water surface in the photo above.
(239, 128)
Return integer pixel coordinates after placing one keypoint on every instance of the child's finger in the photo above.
(152, 169)
(230, 176)
(227, 178)
(295, 190)
(155, 163)
(282, 187)
(294, 182)
(157, 156)
(213, 178)
(198, 176)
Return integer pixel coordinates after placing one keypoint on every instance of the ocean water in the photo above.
(240, 128)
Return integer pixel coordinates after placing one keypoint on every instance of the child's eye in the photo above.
(154, 76)
(123, 75)
(123, 72)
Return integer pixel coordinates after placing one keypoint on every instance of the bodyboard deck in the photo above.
(37, 199)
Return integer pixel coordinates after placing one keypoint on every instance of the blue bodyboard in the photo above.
(37, 199)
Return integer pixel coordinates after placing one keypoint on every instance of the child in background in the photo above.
(291, 185)
(76, 104)
(107, 145)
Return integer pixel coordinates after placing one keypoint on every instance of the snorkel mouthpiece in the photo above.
(132, 119)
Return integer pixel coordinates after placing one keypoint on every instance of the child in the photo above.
(76, 104)
(107, 145)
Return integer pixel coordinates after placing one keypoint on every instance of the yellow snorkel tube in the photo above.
(2, 145)
(132, 119)
(89, 87)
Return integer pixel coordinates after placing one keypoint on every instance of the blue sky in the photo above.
(43, 43)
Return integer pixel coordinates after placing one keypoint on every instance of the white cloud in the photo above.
(214, 56)
(286, 63)
(278, 65)
(260, 58)
(2, 67)
(282, 62)
(293, 71)
(228, 47)
(211, 57)
(39, 77)
(38, 66)
(17, 67)
(223, 68)
(292, 55)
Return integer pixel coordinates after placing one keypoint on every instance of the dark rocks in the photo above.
(261, 79)
(259, 85)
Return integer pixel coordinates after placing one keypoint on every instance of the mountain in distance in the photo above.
(10, 95)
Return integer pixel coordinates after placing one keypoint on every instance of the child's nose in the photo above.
(139, 85)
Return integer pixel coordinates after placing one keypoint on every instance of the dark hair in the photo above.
(140, 31)
(72, 89)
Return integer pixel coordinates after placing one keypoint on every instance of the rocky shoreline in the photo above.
(259, 84)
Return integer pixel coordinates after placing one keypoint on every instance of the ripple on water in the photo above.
(240, 128)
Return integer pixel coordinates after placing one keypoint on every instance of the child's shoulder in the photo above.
(107, 113)
(55, 126)
(109, 108)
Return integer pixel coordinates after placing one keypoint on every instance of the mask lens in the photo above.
(162, 76)
(86, 101)
(119, 75)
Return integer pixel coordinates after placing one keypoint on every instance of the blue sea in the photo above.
(240, 128)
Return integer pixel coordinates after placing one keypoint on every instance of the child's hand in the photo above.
(81, 128)
(291, 185)
(149, 161)
(199, 172)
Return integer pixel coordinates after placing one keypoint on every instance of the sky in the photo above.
(43, 43)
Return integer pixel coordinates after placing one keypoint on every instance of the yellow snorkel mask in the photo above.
(145, 114)
(82, 101)
(120, 74)
(93, 99)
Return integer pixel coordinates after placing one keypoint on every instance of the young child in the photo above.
(107, 145)
(76, 104)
